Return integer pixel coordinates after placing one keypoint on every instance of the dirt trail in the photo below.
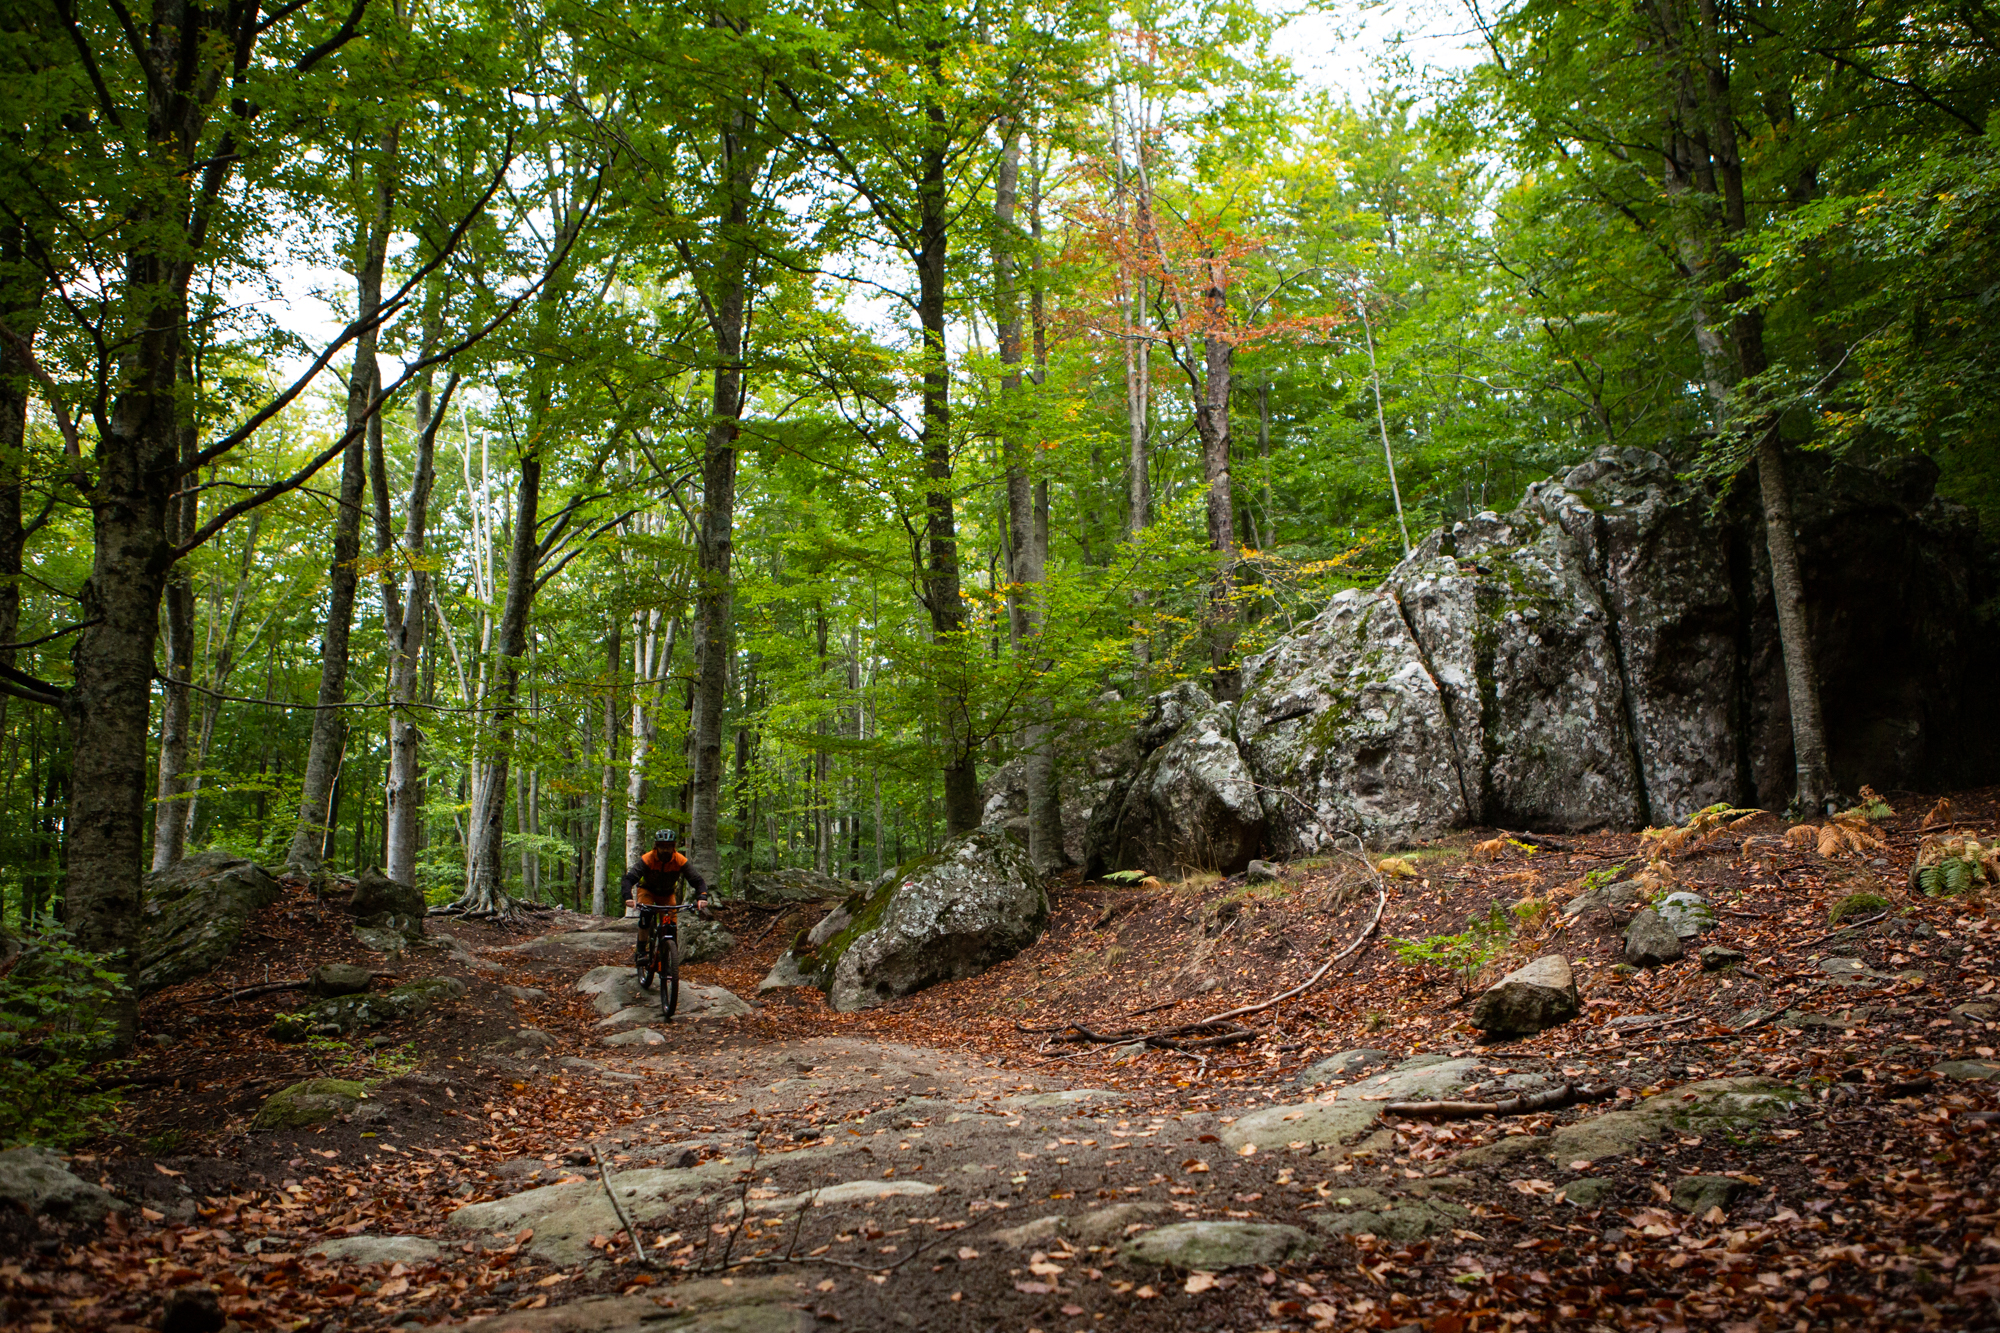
(1805, 1140)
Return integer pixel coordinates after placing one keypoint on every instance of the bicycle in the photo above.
(663, 957)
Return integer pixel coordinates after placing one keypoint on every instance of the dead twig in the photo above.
(1549, 1099)
(631, 1232)
(1841, 930)
(266, 989)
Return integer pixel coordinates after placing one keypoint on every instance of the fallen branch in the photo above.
(1549, 1099)
(268, 988)
(1841, 930)
(631, 1232)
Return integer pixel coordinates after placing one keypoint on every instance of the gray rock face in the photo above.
(703, 941)
(1345, 1064)
(388, 904)
(1698, 1194)
(1213, 1246)
(192, 914)
(1606, 654)
(791, 884)
(1715, 958)
(1688, 914)
(1261, 872)
(1328, 1124)
(974, 904)
(1721, 1104)
(332, 979)
(37, 1181)
(1529, 999)
(410, 1250)
(1650, 941)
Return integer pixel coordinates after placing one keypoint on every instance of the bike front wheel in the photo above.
(670, 977)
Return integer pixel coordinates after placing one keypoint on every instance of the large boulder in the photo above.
(191, 914)
(38, 1182)
(1190, 804)
(976, 903)
(386, 903)
(1604, 655)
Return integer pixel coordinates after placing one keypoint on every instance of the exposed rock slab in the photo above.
(711, 1305)
(380, 1249)
(565, 1217)
(1722, 1103)
(1335, 1120)
(1213, 1246)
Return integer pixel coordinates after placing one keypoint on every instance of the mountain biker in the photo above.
(655, 881)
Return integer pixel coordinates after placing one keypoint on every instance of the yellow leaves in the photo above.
(1403, 867)
(1702, 825)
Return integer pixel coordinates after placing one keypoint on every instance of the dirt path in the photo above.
(1806, 1140)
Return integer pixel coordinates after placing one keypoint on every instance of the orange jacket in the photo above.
(657, 883)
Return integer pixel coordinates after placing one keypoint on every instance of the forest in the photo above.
(770, 419)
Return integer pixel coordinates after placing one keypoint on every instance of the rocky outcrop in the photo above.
(1604, 655)
(974, 904)
(788, 885)
(192, 914)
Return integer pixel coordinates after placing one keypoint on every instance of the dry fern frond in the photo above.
(1741, 820)
(1847, 833)
(1701, 825)
(1657, 877)
(1940, 814)
(1802, 836)
(1525, 878)
(1486, 851)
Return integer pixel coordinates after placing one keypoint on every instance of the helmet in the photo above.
(665, 835)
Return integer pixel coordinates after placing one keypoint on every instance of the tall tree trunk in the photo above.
(652, 651)
(20, 305)
(601, 864)
(960, 770)
(170, 823)
(405, 620)
(218, 673)
(1027, 555)
(713, 609)
(329, 732)
(486, 882)
(1211, 418)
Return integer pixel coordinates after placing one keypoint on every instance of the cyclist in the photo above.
(655, 880)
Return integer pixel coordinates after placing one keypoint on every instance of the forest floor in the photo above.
(931, 1164)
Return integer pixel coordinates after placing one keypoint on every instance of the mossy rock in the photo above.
(192, 914)
(313, 1102)
(1856, 905)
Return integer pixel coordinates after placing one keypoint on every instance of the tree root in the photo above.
(1549, 1099)
(1184, 1036)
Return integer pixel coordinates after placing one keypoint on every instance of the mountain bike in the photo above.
(662, 958)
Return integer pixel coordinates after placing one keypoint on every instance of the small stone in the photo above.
(1529, 999)
(330, 979)
(1697, 1194)
(636, 1037)
(37, 1181)
(1261, 872)
(1040, 1231)
(1650, 941)
(525, 994)
(192, 1310)
(1716, 958)
(1586, 1193)
(313, 1102)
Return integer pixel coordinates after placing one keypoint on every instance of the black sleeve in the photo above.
(696, 882)
(632, 876)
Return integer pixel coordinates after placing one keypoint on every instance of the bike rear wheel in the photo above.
(670, 976)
